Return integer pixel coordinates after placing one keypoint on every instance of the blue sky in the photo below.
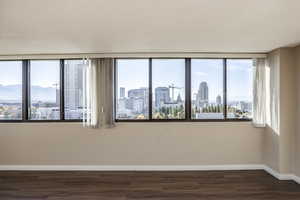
(43, 73)
(11, 72)
(166, 72)
(134, 74)
(240, 79)
(210, 71)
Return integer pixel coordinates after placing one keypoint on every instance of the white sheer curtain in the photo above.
(273, 90)
(259, 92)
(99, 93)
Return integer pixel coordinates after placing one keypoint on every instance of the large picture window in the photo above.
(73, 89)
(45, 90)
(239, 88)
(207, 88)
(11, 90)
(132, 90)
(168, 88)
(184, 89)
(41, 90)
(146, 89)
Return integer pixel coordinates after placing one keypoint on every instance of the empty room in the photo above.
(149, 99)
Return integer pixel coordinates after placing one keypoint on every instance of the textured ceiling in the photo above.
(96, 26)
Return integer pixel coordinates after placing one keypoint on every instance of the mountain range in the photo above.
(13, 93)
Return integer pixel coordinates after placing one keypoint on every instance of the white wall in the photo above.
(271, 134)
(279, 146)
(297, 135)
(169, 143)
(186, 143)
(287, 109)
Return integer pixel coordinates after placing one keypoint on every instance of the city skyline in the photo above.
(44, 90)
(134, 105)
(217, 99)
(208, 70)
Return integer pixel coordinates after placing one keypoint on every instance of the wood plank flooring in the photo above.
(189, 185)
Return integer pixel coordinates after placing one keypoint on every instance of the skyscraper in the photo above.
(137, 93)
(122, 92)
(73, 85)
(137, 96)
(219, 100)
(57, 96)
(162, 95)
(202, 95)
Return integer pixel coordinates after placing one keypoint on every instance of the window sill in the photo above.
(39, 121)
(183, 120)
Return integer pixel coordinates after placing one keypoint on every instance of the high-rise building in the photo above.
(137, 96)
(202, 95)
(57, 94)
(74, 86)
(219, 100)
(137, 93)
(122, 92)
(162, 95)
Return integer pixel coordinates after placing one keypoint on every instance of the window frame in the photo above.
(23, 94)
(26, 93)
(188, 98)
(151, 84)
(236, 119)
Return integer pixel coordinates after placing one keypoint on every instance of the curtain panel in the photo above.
(259, 92)
(99, 93)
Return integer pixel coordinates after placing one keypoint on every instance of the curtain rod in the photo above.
(134, 55)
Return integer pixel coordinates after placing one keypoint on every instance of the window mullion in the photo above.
(115, 88)
(188, 89)
(150, 90)
(25, 90)
(225, 88)
(62, 89)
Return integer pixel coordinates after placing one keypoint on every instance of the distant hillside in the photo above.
(13, 92)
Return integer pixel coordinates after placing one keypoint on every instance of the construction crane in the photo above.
(172, 87)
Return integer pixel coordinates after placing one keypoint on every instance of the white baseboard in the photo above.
(277, 174)
(128, 167)
(280, 176)
(148, 168)
(296, 179)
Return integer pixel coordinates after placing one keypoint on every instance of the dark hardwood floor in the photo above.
(209, 185)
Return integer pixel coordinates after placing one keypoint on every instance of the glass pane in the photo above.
(168, 83)
(132, 88)
(44, 90)
(239, 88)
(207, 88)
(73, 89)
(11, 90)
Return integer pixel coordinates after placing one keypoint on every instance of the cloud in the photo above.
(201, 73)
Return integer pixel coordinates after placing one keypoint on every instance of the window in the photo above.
(32, 90)
(11, 90)
(239, 88)
(45, 90)
(184, 89)
(146, 89)
(73, 89)
(132, 89)
(168, 88)
(207, 88)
